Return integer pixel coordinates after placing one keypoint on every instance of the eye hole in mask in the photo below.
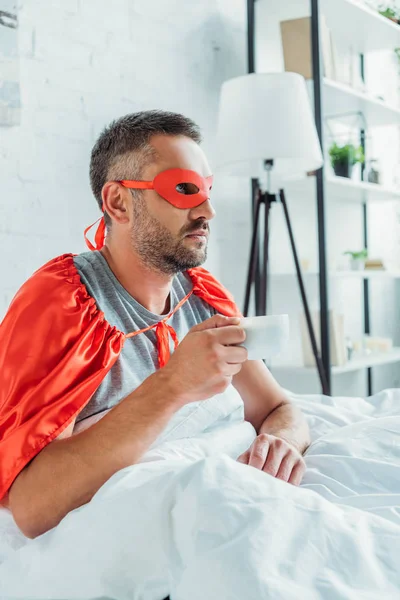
(188, 189)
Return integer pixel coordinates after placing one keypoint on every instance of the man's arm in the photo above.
(69, 471)
(283, 434)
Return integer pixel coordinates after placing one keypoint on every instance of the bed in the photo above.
(205, 526)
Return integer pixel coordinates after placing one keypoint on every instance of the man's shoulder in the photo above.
(209, 289)
(87, 259)
(184, 280)
(192, 277)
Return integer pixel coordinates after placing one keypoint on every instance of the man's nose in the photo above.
(205, 211)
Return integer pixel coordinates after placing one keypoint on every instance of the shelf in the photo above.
(366, 274)
(342, 188)
(374, 360)
(383, 274)
(364, 26)
(339, 98)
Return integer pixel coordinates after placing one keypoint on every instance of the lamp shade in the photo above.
(264, 116)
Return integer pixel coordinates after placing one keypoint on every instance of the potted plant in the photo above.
(343, 158)
(389, 13)
(357, 259)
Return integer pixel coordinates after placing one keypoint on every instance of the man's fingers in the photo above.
(222, 321)
(286, 467)
(233, 369)
(215, 322)
(258, 454)
(234, 354)
(229, 335)
(297, 473)
(274, 459)
(244, 458)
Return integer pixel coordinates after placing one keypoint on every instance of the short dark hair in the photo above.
(123, 148)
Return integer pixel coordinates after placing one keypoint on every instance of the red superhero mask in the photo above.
(180, 187)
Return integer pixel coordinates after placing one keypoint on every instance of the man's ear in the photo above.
(116, 201)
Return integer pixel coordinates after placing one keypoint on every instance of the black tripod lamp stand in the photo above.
(266, 127)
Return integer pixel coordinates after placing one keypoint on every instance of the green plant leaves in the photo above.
(360, 255)
(347, 154)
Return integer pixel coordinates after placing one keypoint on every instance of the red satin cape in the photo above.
(55, 349)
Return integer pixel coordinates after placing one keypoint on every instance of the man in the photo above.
(67, 364)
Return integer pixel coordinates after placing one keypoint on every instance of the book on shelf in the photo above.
(297, 51)
(338, 352)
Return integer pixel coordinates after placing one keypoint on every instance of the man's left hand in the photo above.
(275, 456)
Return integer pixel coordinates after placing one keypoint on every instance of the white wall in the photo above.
(82, 64)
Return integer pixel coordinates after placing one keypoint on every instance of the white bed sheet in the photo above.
(344, 520)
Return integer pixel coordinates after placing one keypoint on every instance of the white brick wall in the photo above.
(84, 63)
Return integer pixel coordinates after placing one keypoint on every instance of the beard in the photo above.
(162, 251)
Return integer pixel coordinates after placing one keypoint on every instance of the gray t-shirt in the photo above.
(138, 358)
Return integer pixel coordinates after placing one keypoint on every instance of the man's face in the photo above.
(167, 238)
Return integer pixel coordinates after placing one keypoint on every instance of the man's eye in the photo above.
(187, 188)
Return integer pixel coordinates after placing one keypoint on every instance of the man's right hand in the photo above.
(207, 358)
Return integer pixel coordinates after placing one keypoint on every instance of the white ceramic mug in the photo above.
(265, 336)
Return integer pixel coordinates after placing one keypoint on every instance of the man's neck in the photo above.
(149, 287)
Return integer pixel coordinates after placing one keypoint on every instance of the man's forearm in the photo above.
(288, 423)
(68, 472)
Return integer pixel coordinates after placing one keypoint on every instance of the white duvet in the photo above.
(191, 522)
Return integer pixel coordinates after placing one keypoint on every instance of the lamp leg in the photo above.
(318, 361)
(268, 199)
(257, 276)
(253, 255)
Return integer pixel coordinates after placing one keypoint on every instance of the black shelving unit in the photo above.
(321, 212)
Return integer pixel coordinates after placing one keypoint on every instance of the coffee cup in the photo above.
(266, 336)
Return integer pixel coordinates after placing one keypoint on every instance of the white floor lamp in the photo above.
(266, 126)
